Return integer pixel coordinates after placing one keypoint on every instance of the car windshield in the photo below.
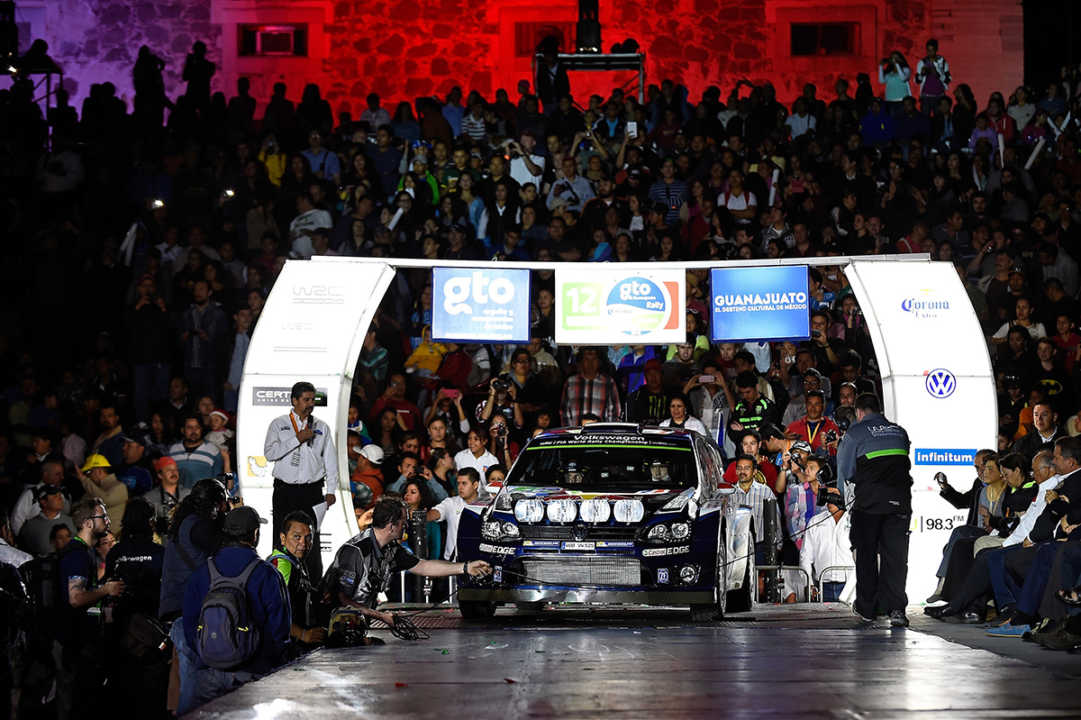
(606, 467)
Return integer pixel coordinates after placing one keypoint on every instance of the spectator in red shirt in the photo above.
(749, 444)
(1067, 341)
(815, 426)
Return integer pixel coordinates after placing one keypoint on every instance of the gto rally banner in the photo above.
(601, 306)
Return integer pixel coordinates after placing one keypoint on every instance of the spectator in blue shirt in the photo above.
(195, 458)
(323, 162)
(268, 605)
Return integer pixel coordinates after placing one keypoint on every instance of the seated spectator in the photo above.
(268, 611)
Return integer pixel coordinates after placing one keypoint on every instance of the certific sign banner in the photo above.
(600, 306)
(759, 303)
(480, 305)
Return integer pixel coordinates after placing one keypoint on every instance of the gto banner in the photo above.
(761, 303)
(599, 306)
(480, 305)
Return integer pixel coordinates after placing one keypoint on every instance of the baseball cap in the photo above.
(242, 521)
(373, 453)
(801, 446)
(164, 462)
(96, 460)
(47, 489)
(125, 439)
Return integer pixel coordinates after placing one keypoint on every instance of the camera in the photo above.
(829, 495)
(499, 385)
(501, 431)
(831, 436)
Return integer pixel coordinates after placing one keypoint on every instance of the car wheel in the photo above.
(741, 600)
(476, 610)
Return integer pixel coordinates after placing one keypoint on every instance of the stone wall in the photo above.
(96, 41)
(406, 48)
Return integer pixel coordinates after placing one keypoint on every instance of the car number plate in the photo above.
(571, 545)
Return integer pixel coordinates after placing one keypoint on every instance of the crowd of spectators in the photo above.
(140, 250)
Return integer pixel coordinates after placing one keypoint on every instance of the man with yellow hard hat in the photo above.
(99, 480)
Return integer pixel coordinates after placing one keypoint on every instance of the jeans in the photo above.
(211, 683)
(189, 662)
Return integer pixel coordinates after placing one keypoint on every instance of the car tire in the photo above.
(741, 600)
(476, 609)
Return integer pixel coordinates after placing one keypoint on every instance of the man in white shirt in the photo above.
(800, 122)
(475, 455)
(525, 167)
(826, 545)
(308, 219)
(26, 507)
(1043, 472)
(302, 450)
(450, 509)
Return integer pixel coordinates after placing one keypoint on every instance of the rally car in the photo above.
(611, 513)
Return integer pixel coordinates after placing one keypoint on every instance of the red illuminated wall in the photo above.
(406, 48)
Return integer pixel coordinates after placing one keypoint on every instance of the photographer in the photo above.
(167, 495)
(933, 75)
(502, 401)
(365, 566)
(525, 167)
(499, 443)
(819, 431)
(571, 190)
(893, 72)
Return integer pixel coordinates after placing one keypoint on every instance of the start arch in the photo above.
(936, 373)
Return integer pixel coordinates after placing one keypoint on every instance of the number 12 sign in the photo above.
(598, 306)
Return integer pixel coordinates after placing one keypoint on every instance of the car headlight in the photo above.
(529, 511)
(503, 502)
(677, 503)
(629, 511)
(595, 511)
(680, 530)
(658, 532)
(492, 530)
(562, 511)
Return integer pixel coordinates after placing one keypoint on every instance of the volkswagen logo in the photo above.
(940, 383)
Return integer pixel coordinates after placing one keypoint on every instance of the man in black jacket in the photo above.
(552, 80)
(1046, 432)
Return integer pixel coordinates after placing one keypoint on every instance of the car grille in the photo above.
(583, 571)
(585, 532)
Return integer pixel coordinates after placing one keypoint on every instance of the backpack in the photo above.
(225, 637)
